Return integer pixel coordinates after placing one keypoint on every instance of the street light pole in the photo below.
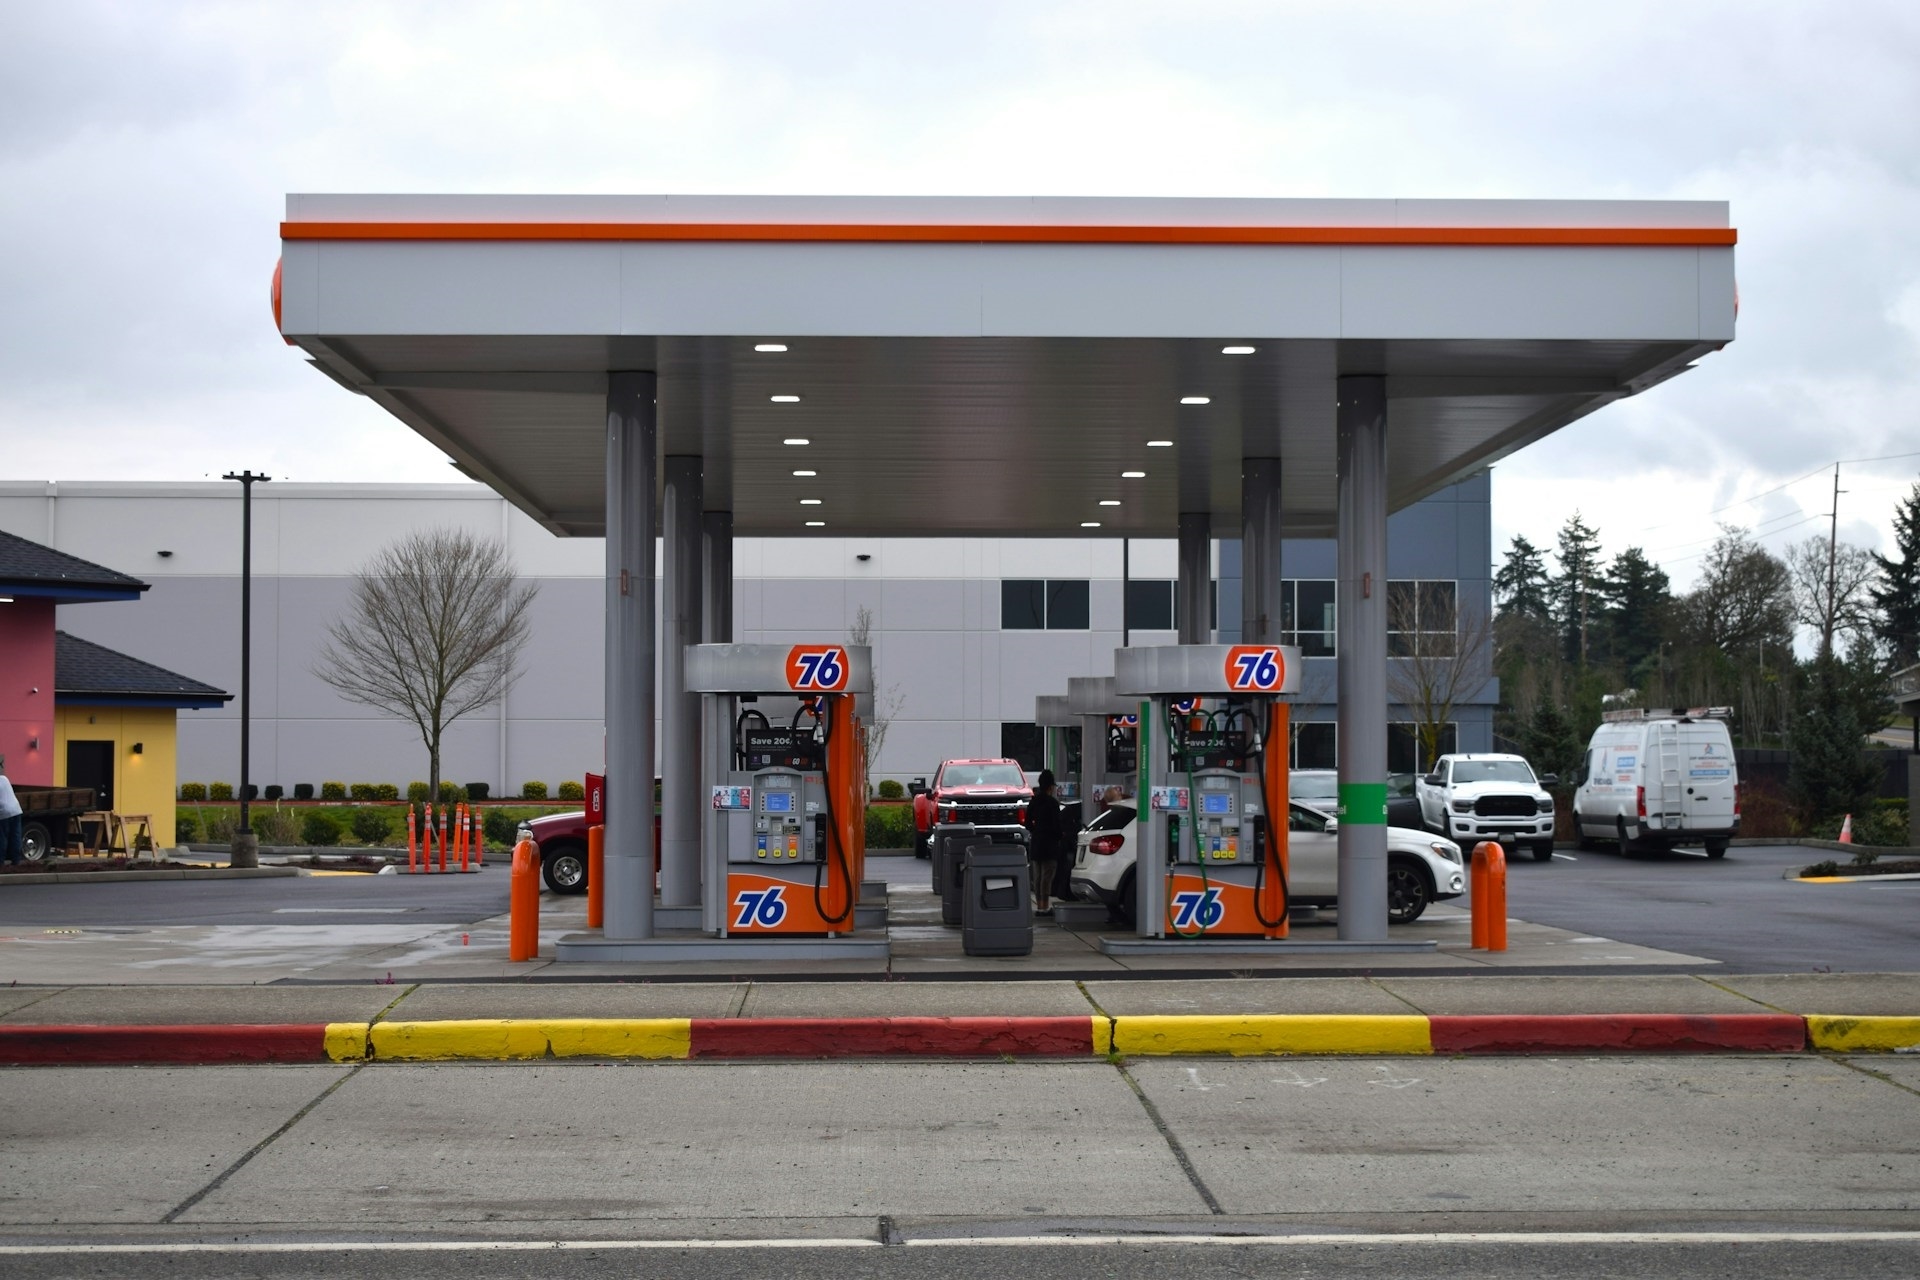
(245, 850)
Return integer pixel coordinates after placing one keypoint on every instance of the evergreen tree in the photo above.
(1521, 584)
(1637, 595)
(1573, 587)
(1829, 775)
(1550, 742)
(1896, 597)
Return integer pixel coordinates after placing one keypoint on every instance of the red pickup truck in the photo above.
(562, 841)
(987, 793)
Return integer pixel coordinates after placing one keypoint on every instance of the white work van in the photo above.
(1657, 779)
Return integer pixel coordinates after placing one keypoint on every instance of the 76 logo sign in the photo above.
(760, 908)
(1203, 909)
(1255, 668)
(817, 668)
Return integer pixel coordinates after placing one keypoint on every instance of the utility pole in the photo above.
(1832, 611)
(245, 850)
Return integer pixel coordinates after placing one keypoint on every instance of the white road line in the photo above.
(1581, 1238)
(1566, 857)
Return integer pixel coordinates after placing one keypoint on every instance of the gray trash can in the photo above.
(949, 851)
(996, 918)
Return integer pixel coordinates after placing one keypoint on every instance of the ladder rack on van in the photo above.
(1665, 713)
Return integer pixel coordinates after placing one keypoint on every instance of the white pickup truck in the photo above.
(1481, 796)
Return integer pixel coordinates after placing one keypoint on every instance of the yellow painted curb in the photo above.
(346, 1041)
(1254, 1034)
(503, 1038)
(1102, 1035)
(1862, 1034)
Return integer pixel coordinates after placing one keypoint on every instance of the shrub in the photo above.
(275, 791)
(533, 790)
(417, 792)
(249, 793)
(371, 826)
(320, 827)
(571, 790)
(274, 826)
(333, 791)
(303, 791)
(890, 826)
(499, 828)
(1827, 868)
(186, 828)
(220, 791)
(193, 791)
(361, 791)
(477, 790)
(385, 791)
(220, 824)
(452, 793)
(890, 789)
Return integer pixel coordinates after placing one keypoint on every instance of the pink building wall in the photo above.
(26, 689)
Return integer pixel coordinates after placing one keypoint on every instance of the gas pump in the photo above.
(1212, 862)
(781, 852)
(1109, 734)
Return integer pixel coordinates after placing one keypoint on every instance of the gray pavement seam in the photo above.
(1382, 987)
(48, 996)
(1113, 1023)
(1180, 1156)
(220, 1179)
(739, 1003)
(1881, 1076)
(1721, 986)
(392, 1004)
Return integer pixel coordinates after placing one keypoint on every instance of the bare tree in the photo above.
(434, 631)
(887, 701)
(1832, 589)
(1439, 655)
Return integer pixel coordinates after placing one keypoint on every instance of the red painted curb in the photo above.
(186, 1044)
(883, 1037)
(1621, 1033)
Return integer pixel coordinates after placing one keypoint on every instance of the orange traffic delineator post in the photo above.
(479, 840)
(462, 831)
(523, 904)
(413, 867)
(1489, 900)
(446, 821)
(596, 882)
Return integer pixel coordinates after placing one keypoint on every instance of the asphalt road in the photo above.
(356, 899)
(1737, 909)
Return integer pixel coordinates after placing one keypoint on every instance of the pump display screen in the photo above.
(1214, 802)
(777, 801)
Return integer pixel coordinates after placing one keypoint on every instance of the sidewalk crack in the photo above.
(220, 1179)
(1180, 1156)
(381, 1016)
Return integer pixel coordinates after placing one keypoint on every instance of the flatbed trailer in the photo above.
(51, 816)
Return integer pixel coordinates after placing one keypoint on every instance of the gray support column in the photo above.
(1093, 763)
(1362, 469)
(716, 587)
(1196, 576)
(1260, 551)
(680, 808)
(632, 435)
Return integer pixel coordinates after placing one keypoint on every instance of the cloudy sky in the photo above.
(145, 149)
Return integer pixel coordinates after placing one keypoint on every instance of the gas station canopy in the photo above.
(994, 366)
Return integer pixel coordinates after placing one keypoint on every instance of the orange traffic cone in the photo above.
(1846, 830)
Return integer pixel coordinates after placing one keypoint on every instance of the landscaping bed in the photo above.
(1891, 867)
(69, 865)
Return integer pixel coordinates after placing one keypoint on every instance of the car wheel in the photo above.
(1716, 848)
(1543, 851)
(37, 842)
(565, 868)
(1130, 903)
(1408, 891)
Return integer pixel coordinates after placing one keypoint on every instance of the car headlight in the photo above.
(1463, 806)
(1446, 849)
(1545, 804)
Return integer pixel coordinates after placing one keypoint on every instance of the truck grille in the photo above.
(987, 815)
(1505, 807)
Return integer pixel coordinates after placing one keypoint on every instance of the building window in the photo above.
(1307, 615)
(1315, 745)
(1149, 604)
(1022, 742)
(1034, 604)
(1403, 745)
(1422, 616)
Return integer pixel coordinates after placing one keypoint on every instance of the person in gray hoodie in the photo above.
(12, 825)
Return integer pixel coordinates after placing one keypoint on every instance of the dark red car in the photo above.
(986, 793)
(562, 841)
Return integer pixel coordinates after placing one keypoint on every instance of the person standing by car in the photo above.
(12, 825)
(1043, 848)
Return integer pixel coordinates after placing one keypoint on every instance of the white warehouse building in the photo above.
(967, 632)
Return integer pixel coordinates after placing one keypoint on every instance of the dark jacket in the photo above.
(1043, 820)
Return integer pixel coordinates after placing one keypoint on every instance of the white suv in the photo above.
(1484, 796)
(1420, 868)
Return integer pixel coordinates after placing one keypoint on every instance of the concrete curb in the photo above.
(122, 877)
(1273, 1035)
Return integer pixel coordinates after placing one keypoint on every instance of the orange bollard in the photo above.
(461, 831)
(479, 840)
(596, 882)
(1476, 896)
(1489, 903)
(446, 822)
(413, 867)
(523, 904)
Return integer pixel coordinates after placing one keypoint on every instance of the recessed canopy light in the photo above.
(806, 473)
(1225, 351)
(796, 440)
(1133, 475)
(1159, 444)
(772, 347)
(1109, 502)
(1183, 399)
(796, 399)
(1089, 524)
(816, 524)
(809, 502)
